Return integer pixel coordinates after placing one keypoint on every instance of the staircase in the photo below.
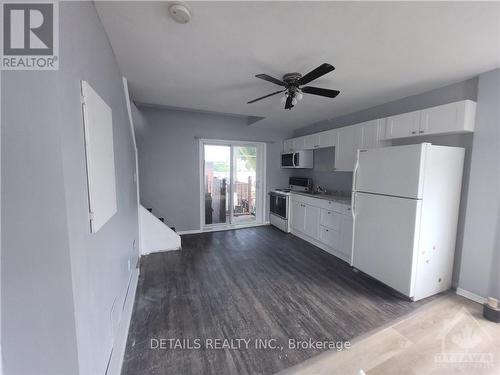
(155, 235)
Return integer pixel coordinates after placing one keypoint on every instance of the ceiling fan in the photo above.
(292, 82)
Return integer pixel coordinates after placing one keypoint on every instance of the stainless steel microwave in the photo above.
(297, 159)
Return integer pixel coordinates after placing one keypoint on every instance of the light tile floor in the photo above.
(446, 336)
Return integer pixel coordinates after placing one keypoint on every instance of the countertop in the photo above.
(326, 197)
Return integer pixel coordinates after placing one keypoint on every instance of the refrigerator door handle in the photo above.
(353, 204)
(355, 173)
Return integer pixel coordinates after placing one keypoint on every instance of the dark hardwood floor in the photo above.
(256, 283)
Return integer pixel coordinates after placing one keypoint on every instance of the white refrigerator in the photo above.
(405, 205)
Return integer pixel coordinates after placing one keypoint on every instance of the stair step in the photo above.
(149, 209)
(162, 219)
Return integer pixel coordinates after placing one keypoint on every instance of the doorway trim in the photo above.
(260, 181)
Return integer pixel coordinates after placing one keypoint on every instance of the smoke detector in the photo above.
(179, 12)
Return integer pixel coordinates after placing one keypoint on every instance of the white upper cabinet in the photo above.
(294, 144)
(298, 143)
(311, 141)
(455, 117)
(349, 141)
(317, 140)
(401, 126)
(372, 134)
(448, 118)
(328, 138)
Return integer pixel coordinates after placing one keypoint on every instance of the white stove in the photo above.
(279, 202)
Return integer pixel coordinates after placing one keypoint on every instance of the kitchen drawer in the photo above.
(344, 209)
(330, 219)
(305, 199)
(329, 237)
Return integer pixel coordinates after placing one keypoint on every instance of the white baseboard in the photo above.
(219, 229)
(472, 296)
(120, 341)
(158, 251)
(193, 231)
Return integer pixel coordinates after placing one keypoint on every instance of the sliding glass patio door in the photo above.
(230, 188)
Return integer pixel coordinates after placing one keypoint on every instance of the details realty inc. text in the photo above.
(245, 343)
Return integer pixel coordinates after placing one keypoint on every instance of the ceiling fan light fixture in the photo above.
(291, 85)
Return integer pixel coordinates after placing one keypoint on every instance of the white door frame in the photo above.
(260, 183)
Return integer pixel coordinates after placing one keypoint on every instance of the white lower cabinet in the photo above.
(345, 246)
(329, 236)
(312, 221)
(298, 216)
(326, 224)
(330, 219)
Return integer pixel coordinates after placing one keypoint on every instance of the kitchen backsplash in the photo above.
(323, 173)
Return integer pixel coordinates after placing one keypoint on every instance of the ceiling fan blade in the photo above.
(265, 96)
(276, 81)
(288, 104)
(321, 92)
(316, 73)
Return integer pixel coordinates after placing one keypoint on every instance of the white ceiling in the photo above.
(381, 52)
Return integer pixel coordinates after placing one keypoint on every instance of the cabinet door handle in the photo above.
(413, 132)
(421, 131)
(326, 230)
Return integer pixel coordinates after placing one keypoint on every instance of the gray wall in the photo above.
(448, 94)
(59, 282)
(169, 159)
(323, 175)
(38, 327)
(480, 266)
